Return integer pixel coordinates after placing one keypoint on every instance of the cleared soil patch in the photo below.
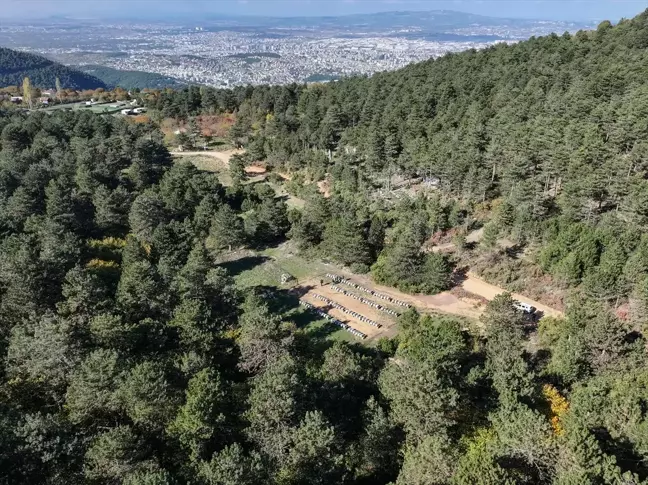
(255, 170)
(388, 323)
(221, 159)
(447, 302)
(444, 302)
(477, 286)
(467, 300)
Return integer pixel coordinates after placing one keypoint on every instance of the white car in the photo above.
(525, 307)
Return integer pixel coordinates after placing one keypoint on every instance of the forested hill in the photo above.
(129, 356)
(552, 121)
(42, 72)
(551, 130)
(131, 79)
(131, 351)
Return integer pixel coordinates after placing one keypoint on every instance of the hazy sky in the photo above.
(540, 9)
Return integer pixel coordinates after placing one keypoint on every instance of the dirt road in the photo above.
(477, 286)
(446, 302)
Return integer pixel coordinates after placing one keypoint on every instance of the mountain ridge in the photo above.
(16, 65)
(451, 17)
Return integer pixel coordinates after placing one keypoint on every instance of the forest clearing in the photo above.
(264, 269)
(219, 159)
(468, 302)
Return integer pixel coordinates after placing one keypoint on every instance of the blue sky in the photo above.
(540, 9)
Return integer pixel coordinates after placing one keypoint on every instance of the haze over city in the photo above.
(151, 9)
(239, 42)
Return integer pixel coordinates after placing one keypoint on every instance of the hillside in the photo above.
(16, 65)
(130, 79)
(550, 131)
(130, 352)
(149, 334)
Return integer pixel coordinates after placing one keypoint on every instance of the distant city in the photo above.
(241, 51)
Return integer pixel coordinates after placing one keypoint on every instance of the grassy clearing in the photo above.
(205, 163)
(294, 264)
(263, 269)
(291, 201)
(214, 165)
(250, 272)
(209, 164)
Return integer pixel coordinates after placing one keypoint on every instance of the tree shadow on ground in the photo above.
(458, 276)
(260, 245)
(313, 331)
(281, 300)
(623, 450)
(245, 263)
(515, 251)
(314, 339)
(321, 332)
(285, 302)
